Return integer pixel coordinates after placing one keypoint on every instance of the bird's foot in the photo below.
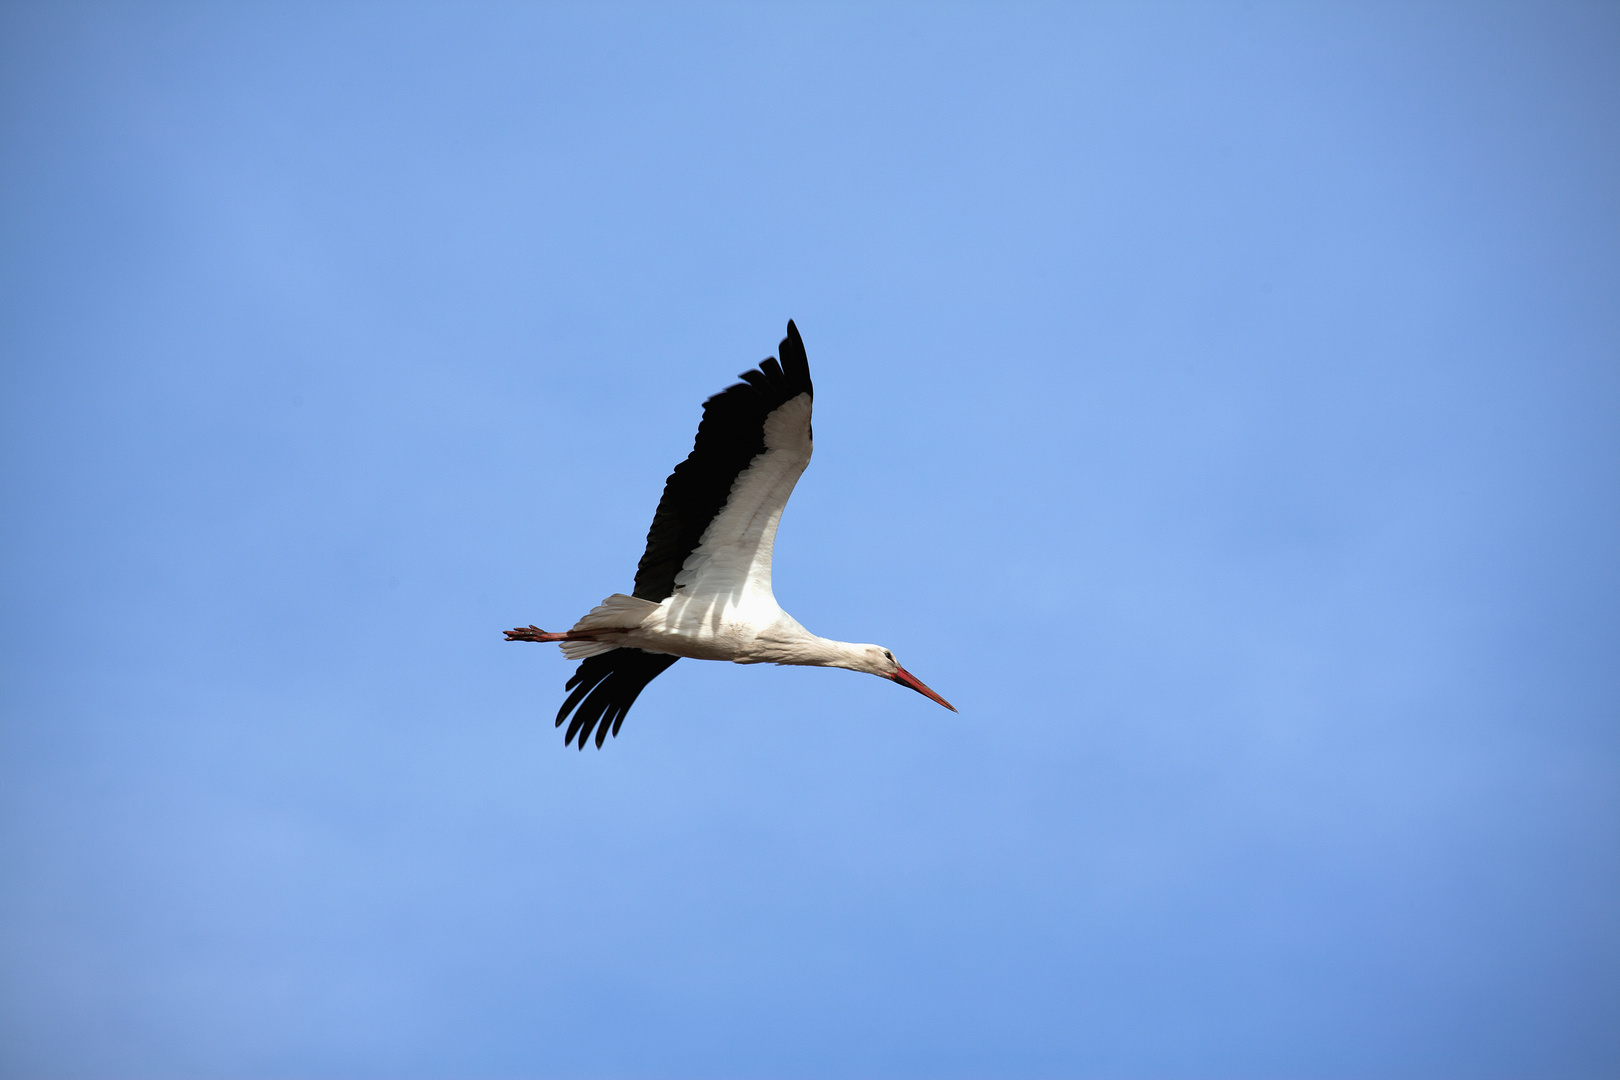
(532, 633)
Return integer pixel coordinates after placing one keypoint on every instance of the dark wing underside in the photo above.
(604, 687)
(731, 434)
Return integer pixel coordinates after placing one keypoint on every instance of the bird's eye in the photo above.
(889, 654)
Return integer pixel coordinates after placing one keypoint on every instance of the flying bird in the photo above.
(703, 587)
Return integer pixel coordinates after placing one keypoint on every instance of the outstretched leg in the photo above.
(534, 633)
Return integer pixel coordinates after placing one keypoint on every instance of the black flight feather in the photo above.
(604, 687)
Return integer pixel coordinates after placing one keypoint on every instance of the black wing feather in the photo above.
(604, 687)
(731, 434)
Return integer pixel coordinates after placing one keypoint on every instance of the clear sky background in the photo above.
(1219, 403)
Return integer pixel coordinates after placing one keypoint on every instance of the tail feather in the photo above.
(617, 612)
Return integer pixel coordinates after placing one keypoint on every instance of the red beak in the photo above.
(906, 678)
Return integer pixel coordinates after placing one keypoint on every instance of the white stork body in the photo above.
(703, 588)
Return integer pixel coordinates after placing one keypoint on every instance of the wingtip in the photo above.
(795, 361)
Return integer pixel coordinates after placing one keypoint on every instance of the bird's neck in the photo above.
(825, 652)
(786, 642)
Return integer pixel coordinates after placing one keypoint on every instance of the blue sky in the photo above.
(1218, 403)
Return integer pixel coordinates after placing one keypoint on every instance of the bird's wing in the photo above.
(716, 523)
(604, 687)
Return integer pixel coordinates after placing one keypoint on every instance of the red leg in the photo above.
(534, 633)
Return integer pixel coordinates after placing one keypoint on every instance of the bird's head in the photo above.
(876, 660)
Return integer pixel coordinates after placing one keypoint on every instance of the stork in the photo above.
(703, 587)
